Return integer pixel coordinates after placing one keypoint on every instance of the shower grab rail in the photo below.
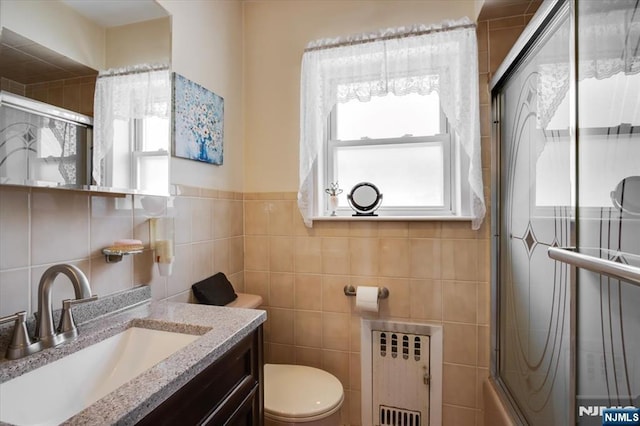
(607, 267)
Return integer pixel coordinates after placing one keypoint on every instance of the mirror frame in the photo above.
(367, 209)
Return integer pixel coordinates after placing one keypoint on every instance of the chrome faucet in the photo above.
(44, 328)
(45, 336)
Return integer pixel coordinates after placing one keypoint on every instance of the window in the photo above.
(399, 143)
(398, 108)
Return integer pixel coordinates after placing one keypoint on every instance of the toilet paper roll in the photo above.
(367, 298)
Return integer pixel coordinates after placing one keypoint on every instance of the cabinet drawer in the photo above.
(219, 390)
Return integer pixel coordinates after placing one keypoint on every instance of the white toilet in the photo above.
(297, 395)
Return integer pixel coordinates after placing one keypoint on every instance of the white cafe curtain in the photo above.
(137, 92)
(418, 59)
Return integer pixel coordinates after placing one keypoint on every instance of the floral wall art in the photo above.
(198, 122)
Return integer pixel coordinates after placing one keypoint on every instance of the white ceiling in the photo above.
(113, 13)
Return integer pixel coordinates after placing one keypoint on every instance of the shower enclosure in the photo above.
(566, 214)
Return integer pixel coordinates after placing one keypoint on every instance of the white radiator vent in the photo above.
(390, 416)
(400, 378)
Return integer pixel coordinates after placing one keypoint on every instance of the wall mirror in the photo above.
(364, 199)
(50, 56)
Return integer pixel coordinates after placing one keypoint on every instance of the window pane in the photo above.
(389, 116)
(408, 175)
(156, 134)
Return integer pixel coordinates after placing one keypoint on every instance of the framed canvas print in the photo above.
(198, 122)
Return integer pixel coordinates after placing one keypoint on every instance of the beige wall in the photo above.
(143, 42)
(58, 27)
(207, 45)
(435, 271)
(275, 37)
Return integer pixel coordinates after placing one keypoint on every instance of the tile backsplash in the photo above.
(40, 228)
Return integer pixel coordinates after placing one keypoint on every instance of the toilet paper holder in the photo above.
(350, 290)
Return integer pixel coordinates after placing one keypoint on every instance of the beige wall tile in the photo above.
(336, 256)
(14, 228)
(236, 225)
(281, 290)
(394, 257)
(337, 363)
(355, 410)
(458, 416)
(335, 331)
(457, 230)
(281, 354)
(308, 255)
(354, 338)
(256, 217)
(460, 343)
(426, 299)
(484, 346)
(57, 217)
(364, 256)
(460, 301)
(459, 260)
(236, 255)
(281, 254)
(221, 218)
(202, 261)
(256, 253)
(424, 229)
(221, 256)
(280, 217)
(459, 385)
(333, 297)
(257, 283)
(14, 291)
(398, 304)
(308, 329)
(311, 357)
(393, 229)
(308, 292)
(281, 323)
(354, 371)
(425, 258)
(363, 229)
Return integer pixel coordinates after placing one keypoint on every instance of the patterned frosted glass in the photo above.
(608, 323)
(536, 199)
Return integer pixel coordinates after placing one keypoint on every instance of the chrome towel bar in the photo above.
(607, 267)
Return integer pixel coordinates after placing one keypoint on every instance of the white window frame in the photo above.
(451, 178)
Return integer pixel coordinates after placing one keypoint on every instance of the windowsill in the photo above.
(393, 218)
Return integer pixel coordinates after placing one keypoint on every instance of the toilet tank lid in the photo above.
(297, 391)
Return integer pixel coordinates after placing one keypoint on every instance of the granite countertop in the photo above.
(220, 329)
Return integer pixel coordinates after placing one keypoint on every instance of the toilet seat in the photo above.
(298, 394)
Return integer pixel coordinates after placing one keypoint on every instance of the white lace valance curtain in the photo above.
(137, 92)
(609, 44)
(400, 61)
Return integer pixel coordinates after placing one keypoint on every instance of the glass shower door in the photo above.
(608, 309)
(536, 208)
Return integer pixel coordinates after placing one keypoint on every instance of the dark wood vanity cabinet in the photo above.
(227, 392)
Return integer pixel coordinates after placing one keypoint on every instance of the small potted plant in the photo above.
(333, 191)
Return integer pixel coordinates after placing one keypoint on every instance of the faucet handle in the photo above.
(20, 340)
(66, 318)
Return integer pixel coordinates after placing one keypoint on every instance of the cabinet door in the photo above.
(218, 394)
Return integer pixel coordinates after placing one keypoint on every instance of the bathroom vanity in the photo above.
(214, 379)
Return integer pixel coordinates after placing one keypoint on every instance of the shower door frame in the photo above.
(544, 19)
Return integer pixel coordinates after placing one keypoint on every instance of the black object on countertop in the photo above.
(215, 290)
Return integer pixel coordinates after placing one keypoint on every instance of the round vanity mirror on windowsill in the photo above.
(364, 199)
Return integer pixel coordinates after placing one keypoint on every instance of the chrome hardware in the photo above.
(595, 264)
(350, 290)
(20, 341)
(45, 337)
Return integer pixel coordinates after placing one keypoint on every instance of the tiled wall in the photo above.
(39, 228)
(435, 272)
(75, 94)
(12, 86)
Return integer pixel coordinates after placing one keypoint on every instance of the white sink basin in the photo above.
(51, 394)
